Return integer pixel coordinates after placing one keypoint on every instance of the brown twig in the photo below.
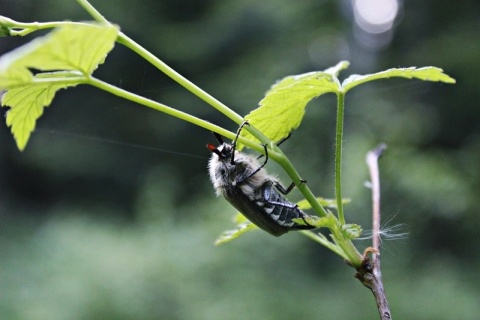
(370, 272)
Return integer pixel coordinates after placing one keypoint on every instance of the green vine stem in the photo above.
(320, 238)
(302, 187)
(168, 110)
(187, 84)
(338, 155)
(354, 257)
(93, 12)
(21, 29)
(162, 66)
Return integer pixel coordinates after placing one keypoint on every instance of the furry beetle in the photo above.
(244, 183)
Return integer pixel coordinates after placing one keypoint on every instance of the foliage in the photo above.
(435, 164)
(283, 107)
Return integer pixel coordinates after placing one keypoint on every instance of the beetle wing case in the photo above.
(252, 211)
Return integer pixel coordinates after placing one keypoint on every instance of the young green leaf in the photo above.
(229, 235)
(243, 225)
(425, 74)
(240, 218)
(283, 107)
(27, 101)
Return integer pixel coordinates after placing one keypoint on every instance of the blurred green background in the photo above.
(97, 222)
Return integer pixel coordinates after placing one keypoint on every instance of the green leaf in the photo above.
(12, 77)
(27, 101)
(77, 48)
(229, 235)
(283, 107)
(72, 47)
(243, 225)
(425, 74)
(240, 218)
(331, 203)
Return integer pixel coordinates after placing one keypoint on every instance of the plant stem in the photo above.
(320, 238)
(170, 111)
(302, 187)
(92, 11)
(197, 91)
(370, 274)
(29, 27)
(372, 162)
(338, 155)
(354, 257)
(162, 66)
(184, 82)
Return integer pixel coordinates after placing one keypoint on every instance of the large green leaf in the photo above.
(75, 49)
(283, 107)
(425, 74)
(27, 102)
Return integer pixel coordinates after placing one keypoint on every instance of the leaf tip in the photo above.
(21, 138)
(21, 144)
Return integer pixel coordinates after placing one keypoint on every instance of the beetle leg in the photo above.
(284, 139)
(279, 143)
(258, 169)
(287, 190)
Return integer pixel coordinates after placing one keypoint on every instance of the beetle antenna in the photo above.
(218, 137)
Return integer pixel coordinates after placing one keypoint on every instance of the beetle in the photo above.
(246, 185)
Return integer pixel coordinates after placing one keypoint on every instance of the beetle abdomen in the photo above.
(268, 210)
